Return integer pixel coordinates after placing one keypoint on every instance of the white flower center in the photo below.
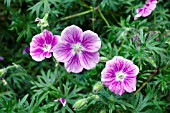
(46, 47)
(77, 48)
(120, 76)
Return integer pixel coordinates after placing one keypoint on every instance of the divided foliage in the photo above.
(27, 86)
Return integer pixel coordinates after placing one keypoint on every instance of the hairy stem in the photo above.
(93, 19)
(31, 78)
(121, 45)
(141, 87)
(103, 18)
(75, 15)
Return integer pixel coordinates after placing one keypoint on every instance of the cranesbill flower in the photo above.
(42, 45)
(146, 10)
(78, 49)
(62, 100)
(119, 75)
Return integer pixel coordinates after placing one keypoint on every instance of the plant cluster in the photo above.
(84, 56)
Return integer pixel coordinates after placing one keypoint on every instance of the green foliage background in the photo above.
(30, 87)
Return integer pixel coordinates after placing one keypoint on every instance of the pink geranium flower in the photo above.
(78, 49)
(119, 75)
(146, 10)
(42, 45)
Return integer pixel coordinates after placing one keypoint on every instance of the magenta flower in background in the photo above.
(42, 45)
(1, 58)
(78, 49)
(26, 50)
(146, 10)
(151, 4)
(119, 75)
(137, 40)
(37, 19)
(62, 100)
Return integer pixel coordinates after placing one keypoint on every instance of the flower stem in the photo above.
(92, 96)
(93, 19)
(103, 18)
(6, 84)
(140, 88)
(41, 28)
(84, 4)
(31, 78)
(79, 14)
(19, 67)
(75, 15)
(121, 45)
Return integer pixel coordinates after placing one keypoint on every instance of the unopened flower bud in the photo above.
(103, 59)
(37, 19)
(42, 22)
(4, 81)
(80, 104)
(98, 86)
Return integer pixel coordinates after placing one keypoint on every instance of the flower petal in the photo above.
(109, 73)
(71, 34)
(107, 76)
(152, 1)
(88, 59)
(152, 6)
(139, 10)
(137, 16)
(37, 40)
(56, 39)
(73, 65)
(63, 52)
(146, 12)
(117, 63)
(63, 101)
(46, 54)
(36, 54)
(130, 69)
(48, 36)
(117, 87)
(90, 41)
(26, 50)
(130, 83)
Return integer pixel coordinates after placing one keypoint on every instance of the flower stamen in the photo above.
(120, 76)
(46, 47)
(77, 48)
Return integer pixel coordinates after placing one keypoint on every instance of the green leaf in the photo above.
(8, 2)
(168, 41)
(48, 105)
(150, 60)
(23, 100)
